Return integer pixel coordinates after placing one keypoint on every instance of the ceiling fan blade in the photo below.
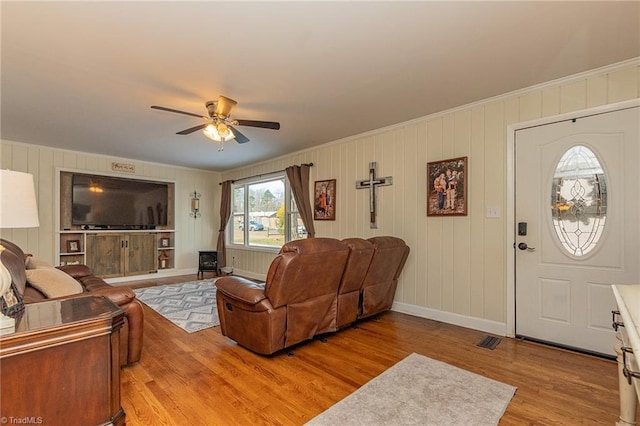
(264, 124)
(192, 129)
(225, 105)
(178, 111)
(240, 138)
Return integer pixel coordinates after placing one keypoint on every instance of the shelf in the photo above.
(166, 248)
(71, 259)
(65, 257)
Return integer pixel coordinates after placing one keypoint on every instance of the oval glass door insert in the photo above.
(579, 200)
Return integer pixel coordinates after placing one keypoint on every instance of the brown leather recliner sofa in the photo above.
(130, 334)
(313, 286)
(381, 280)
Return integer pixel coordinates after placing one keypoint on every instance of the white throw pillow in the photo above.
(53, 282)
(35, 263)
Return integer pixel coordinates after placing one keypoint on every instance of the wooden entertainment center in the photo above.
(111, 252)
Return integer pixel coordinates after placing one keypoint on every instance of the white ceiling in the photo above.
(82, 75)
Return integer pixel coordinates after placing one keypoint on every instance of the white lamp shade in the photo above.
(18, 208)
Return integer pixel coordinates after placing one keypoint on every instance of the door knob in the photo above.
(524, 246)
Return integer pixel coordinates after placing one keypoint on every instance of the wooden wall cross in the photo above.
(371, 184)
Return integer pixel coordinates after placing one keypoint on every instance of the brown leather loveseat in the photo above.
(313, 286)
(130, 334)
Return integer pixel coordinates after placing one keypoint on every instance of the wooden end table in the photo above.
(62, 364)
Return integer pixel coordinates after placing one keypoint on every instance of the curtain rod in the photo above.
(265, 174)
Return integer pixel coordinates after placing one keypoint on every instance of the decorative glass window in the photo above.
(579, 200)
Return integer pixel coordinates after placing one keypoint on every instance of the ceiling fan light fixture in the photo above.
(218, 125)
(225, 132)
(218, 132)
(211, 132)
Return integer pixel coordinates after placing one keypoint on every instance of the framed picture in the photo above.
(447, 187)
(324, 200)
(73, 246)
(164, 242)
(11, 301)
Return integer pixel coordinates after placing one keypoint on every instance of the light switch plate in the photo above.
(493, 212)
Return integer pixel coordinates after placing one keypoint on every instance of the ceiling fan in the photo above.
(219, 125)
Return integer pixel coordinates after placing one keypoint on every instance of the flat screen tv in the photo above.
(118, 203)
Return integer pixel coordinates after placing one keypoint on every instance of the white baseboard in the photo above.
(249, 274)
(122, 281)
(485, 325)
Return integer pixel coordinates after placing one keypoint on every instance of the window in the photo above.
(264, 214)
(579, 200)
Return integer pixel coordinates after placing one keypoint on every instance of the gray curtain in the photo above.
(225, 212)
(299, 179)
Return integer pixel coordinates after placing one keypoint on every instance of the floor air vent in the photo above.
(489, 342)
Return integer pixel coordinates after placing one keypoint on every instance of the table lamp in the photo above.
(18, 209)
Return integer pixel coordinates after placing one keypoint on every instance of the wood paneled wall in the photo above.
(457, 264)
(44, 163)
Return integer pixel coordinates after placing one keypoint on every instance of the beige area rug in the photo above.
(422, 391)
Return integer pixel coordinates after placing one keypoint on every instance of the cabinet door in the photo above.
(104, 254)
(141, 253)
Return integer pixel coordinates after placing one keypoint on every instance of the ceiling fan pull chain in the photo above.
(220, 145)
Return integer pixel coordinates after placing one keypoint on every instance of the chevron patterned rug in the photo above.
(191, 305)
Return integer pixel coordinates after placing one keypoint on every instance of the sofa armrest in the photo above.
(133, 329)
(119, 295)
(135, 319)
(241, 289)
(126, 300)
(76, 271)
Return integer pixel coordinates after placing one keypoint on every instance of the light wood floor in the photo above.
(205, 379)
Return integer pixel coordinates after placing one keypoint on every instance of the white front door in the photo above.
(576, 193)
